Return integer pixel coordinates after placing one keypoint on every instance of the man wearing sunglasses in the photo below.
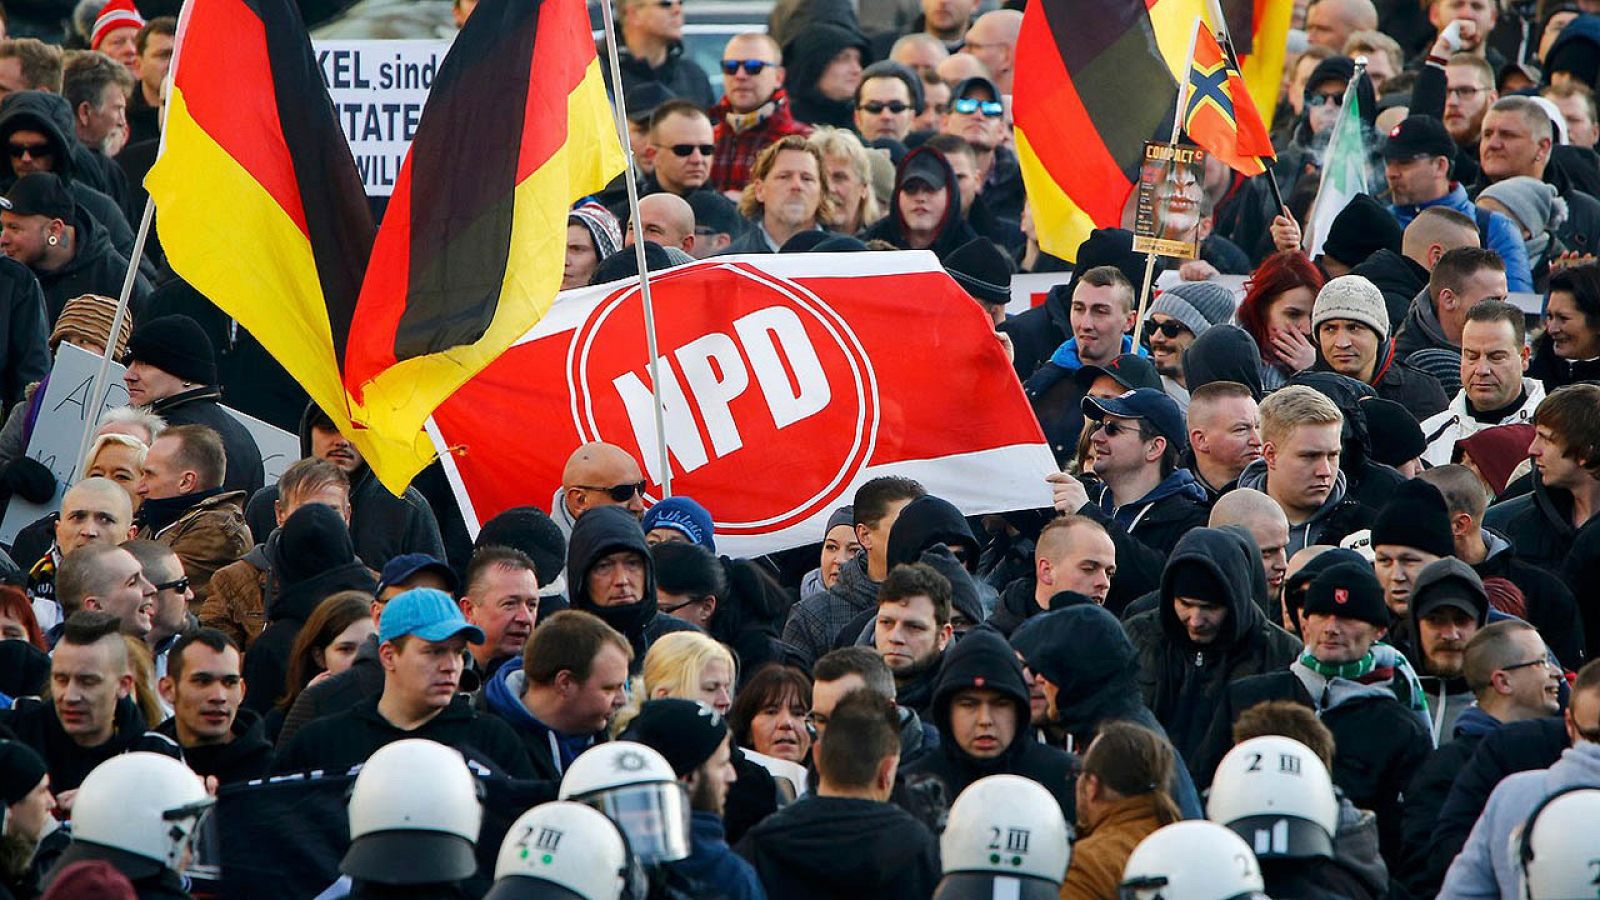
(680, 149)
(888, 99)
(754, 109)
(1181, 314)
(171, 617)
(597, 474)
(978, 114)
(652, 50)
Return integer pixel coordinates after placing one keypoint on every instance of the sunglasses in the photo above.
(685, 150)
(968, 105)
(894, 106)
(669, 610)
(669, 4)
(1112, 428)
(1171, 328)
(36, 151)
(1324, 99)
(180, 585)
(621, 493)
(750, 66)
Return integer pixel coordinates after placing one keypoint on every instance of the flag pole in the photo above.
(92, 405)
(619, 114)
(1177, 128)
(1225, 39)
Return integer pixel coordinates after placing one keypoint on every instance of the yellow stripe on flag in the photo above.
(1263, 68)
(1060, 224)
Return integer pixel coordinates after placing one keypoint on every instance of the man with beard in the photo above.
(695, 742)
(912, 630)
(1182, 313)
(1448, 607)
(981, 707)
(787, 194)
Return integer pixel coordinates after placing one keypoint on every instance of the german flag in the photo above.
(1095, 80)
(261, 209)
(1219, 114)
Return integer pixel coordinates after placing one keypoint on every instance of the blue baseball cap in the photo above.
(1148, 404)
(426, 613)
(683, 515)
(407, 565)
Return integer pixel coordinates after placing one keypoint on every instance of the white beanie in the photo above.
(1351, 297)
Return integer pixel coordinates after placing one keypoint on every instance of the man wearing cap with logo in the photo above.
(1418, 157)
(365, 677)
(1359, 688)
(66, 249)
(1144, 499)
(422, 641)
(694, 740)
(1182, 313)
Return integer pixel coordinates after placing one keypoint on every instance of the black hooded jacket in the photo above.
(247, 756)
(49, 114)
(96, 267)
(805, 58)
(317, 560)
(1538, 524)
(953, 231)
(983, 659)
(1224, 353)
(24, 329)
(678, 73)
(1183, 682)
(382, 525)
(845, 848)
(1085, 653)
(926, 523)
(1399, 277)
(34, 722)
(608, 529)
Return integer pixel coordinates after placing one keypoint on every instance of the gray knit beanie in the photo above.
(1197, 304)
(1351, 297)
(1537, 206)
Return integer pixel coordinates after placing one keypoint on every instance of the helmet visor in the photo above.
(653, 817)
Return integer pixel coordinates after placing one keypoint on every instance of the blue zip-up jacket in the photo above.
(713, 864)
(1503, 238)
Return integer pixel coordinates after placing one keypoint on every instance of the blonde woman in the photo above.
(118, 457)
(691, 666)
(849, 166)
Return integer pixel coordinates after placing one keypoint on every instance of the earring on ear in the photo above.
(53, 240)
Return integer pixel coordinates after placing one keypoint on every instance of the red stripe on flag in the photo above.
(562, 49)
(225, 46)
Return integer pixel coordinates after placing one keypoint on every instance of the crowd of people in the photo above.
(1305, 615)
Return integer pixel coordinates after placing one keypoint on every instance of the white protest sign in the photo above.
(64, 414)
(378, 89)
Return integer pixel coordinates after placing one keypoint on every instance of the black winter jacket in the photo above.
(34, 722)
(1142, 550)
(679, 74)
(24, 330)
(843, 848)
(246, 757)
(1551, 607)
(954, 231)
(1400, 278)
(1426, 794)
(361, 683)
(983, 659)
(202, 406)
(1538, 525)
(1183, 682)
(342, 740)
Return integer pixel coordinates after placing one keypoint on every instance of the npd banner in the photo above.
(785, 384)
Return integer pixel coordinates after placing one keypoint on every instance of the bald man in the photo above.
(960, 66)
(1331, 22)
(1260, 515)
(667, 219)
(93, 511)
(993, 40)
(597, 474)
(919, 51)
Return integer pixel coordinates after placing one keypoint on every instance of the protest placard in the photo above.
(1167, 217)
(378, 89)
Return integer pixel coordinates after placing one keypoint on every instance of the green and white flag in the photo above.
(1344, 169)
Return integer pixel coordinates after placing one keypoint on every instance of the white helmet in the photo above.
(561, 851)
(1558, 853)
(145, 804)
(414, 816)
(1276, 794)
(1005, 837)
(1192, 860)
(636, 788)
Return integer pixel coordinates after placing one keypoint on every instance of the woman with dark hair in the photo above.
(1569, 351)
(1276, 311)
(769, 713)
(326, 645)
(17, 622)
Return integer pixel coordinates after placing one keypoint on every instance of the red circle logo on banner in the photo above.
(768, 420)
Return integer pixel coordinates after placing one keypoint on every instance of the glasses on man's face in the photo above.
(1315, 100)
(37, 151)
(668, 4)
(968, 105)
(750, 66)
(621, 493)
(1463, 93)
(1541, 661)
(1171, 328)
(181, 585)
(874, 107)
(1112, 427)
(687, 150)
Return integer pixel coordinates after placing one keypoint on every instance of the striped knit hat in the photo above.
(87, 319)
(114, 15)
(602, 225)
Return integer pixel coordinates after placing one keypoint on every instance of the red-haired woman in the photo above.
(1276, 310)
